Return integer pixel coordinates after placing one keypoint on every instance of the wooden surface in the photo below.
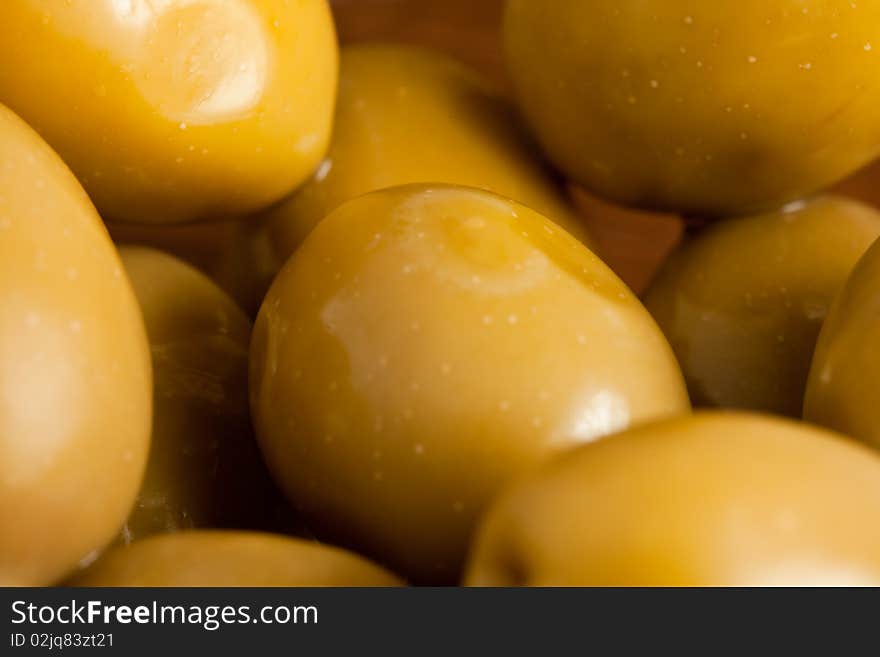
(633, 244)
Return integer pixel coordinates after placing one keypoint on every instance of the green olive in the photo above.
(724, 107)
(175, 111)
(224, 558)
(407, 115)
(843, 392)
(428, 343)
(743, 302)
(714, 499)
(75, 382)
(204, 469)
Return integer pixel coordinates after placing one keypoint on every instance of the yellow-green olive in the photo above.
(226, 558)
(843, 392)
(75, 383)
(743, 302)
(407, 115)
(709, 500)
(179, 110)
(427, 343)
(204, 469)
(723, 107)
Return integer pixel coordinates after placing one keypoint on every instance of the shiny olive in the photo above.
(225, 558)
(843, 391)
(709, 500)
(427, 343)
(743, 302)
(175, 110)
(723, 107)
(75, 383)
(204, 469)
(407, 115)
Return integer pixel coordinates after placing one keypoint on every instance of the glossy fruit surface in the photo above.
(407, 115)
(205, 469)
(212, 558)
(726, 107)
(742, 303)
(713, 499)
(75, 382)
(171, 111)
(427, 343)
(844, 386)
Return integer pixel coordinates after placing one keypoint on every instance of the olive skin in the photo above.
(427, 343)
(175, 111)
(407, 115)
(714, 499)
(843, 392)
(743, 302)
(75, 379)
(204, 469)
(225, 558)
(718, 108)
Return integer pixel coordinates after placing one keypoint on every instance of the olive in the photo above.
(407, 115)
(75, 381)
(427, 343)
(843, 391)
(713, 499)
(226, 558)
(727, 107)
(204, 468)
(742, 303)
(175, 111)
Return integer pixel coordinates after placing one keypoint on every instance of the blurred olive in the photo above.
(75, 383)
(707, 500)
(710, 108)
(742, 303)
(407, 115)
(179, 110)
(217, 558)
(843, 392)
(204, 469)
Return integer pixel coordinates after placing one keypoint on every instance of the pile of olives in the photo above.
(279, 313)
